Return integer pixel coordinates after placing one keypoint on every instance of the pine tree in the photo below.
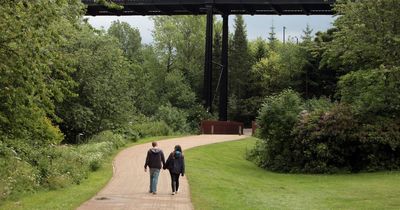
(260, 49)
(239, 68)
(272, 38)
(307, 37)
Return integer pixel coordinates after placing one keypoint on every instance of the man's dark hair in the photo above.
(154, 144)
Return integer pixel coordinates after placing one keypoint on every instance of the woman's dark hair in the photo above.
(178, 148)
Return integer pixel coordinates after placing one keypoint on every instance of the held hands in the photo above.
(182, 174)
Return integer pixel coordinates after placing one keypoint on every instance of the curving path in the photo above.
(128, 188)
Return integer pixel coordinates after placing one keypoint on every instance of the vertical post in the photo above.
(284, 29)
(223, 96)
(208, 60)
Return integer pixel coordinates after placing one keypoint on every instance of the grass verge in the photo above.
(74, 195)
(235, 183)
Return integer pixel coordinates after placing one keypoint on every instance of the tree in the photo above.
(239, 63)
(177, 91)
(129, 39)
(307, 34)
(239, 67)
(151, 82)
(280, 69)
(367, 35)
(104, 95)
(179, 44)
(272, 38)
(317, 79)
(259, 49)
(35, 66)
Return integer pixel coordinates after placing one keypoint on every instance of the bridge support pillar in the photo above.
(207, 86)
(223, 96)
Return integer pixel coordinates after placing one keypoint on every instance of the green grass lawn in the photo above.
(74, 195)
(221, 178)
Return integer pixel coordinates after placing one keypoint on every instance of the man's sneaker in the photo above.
(154, 193)
(173, 193)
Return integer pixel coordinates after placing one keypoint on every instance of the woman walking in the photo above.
(176, 166)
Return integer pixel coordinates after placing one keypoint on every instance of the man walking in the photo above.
(155, 160)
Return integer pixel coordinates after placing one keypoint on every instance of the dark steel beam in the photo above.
(208, 60)
(305, 9)
(223, 95)
(277, 10)
(190, 7)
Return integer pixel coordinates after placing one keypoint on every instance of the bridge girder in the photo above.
(188, 7)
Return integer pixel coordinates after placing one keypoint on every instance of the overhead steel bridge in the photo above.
(210, 8)
(198, 7)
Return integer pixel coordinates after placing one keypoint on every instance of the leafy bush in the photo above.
(152, 128)
(128, 132)
(325, 139)
(337, 140)
(17, 177)
(25, 168)
(108, 136)
(175, 118)
(70, 161)
(276, 119)
(321, 104)
(380, 144)
(325, 142)
(195, 115)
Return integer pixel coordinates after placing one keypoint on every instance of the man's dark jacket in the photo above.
(154, 159)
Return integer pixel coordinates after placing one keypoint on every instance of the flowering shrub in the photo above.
(52, 167)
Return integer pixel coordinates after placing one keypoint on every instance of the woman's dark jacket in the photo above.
(176, 165)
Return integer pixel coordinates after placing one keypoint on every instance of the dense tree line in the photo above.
(353, 71)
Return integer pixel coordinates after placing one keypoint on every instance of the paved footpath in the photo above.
(129, 186)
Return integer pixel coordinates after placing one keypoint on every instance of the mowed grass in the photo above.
(221, 178)
(72, 196)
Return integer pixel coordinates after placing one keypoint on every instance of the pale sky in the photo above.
(257, 26)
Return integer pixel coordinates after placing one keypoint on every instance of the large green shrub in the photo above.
(276, 119)
(336, 140)
(195, 115)
(325, 141)
(116, 140)
(25, 168)
(326, 138)
(152, 128)
(175, 118)
(16, 175)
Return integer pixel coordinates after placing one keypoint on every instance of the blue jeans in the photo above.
(154, 172)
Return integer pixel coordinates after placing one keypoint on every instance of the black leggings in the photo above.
(174, 181)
